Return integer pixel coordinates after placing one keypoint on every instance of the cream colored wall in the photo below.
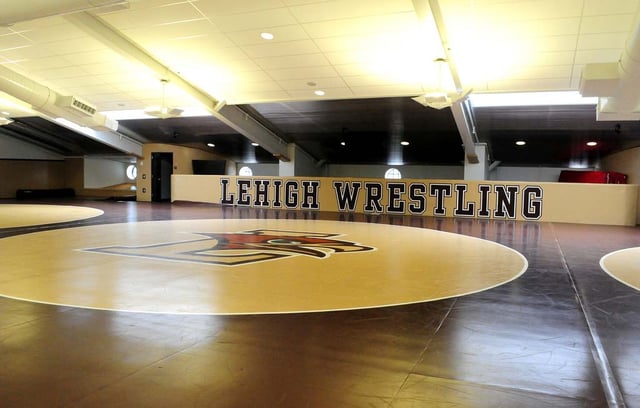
(182, 157)
(605, 204)
(626, 162)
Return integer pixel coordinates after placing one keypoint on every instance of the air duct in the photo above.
(620, 100)
(16, 11)
(50, 103)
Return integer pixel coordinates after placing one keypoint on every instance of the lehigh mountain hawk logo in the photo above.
(238, 248)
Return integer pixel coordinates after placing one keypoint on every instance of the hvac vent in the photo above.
(76, 105)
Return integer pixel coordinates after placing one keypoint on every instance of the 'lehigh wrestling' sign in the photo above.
(457, 199)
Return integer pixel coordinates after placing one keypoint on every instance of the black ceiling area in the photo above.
(371, 130)
(53, 137)
(555, 136)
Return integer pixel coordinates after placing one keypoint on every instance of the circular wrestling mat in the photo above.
(233, 266)
(24, 215)
(623, 265)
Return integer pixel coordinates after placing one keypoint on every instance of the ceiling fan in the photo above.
(163, 111)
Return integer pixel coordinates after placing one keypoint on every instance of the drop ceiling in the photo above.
(369, 57)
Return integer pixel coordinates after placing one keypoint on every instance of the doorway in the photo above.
(161, 170)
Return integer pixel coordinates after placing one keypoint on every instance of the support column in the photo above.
(300, 163)
(479, 170)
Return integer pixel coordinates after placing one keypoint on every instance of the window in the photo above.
(393, 173)
(245, 171)
(132, 172)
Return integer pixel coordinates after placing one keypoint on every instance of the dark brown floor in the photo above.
(565, 334)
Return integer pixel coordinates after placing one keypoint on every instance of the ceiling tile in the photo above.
(174, 53)
(152, 16)
(362, 25)
(45, 63)
(59, 32)
(226, 7)
(309, 73)
(282, 33)
(601, 41)
(390, 90)
(308, 60)
(75, 45)
(346, 9)
(28, 53)
(552, 58)
(281, 49)
(372, 81)
(9, 41)
(598, 7)
(255, 96)
(241, 65)
(181, 29)
(606, 24)
(542, 72)
(531, 10)
(255, 20)
(553, 44)
(530, 85)
(595, 56)
(62, 73)
(330, 93)
(320, 83)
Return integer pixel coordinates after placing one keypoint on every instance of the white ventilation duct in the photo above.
(16, 11)
(617, 84)
(50, 103)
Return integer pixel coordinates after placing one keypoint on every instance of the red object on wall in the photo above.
(605, 177)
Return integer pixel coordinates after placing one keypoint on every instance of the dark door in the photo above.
(161, 170)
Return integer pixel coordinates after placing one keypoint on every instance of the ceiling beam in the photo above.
(462, 111)
(464, 121)
(242, 122)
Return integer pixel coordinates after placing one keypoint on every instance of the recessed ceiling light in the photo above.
(404, 143)
(343, 143)
(319, 92)
(592, 143)
(267, 36)
(521, 143)
(211, 145)
(254, 144)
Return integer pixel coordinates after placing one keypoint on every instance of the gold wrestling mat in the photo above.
(241, 266)
(623, 265)
(24, 215)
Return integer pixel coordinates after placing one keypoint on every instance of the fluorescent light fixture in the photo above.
(211, 145)
(74, 126)
(319, 92)
(140, 114)
(591, 144)
(521, 143)
(254, 144)
(404, 143)
(267, 36)
(530, 99)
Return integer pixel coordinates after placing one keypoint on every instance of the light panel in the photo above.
(530, 99)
